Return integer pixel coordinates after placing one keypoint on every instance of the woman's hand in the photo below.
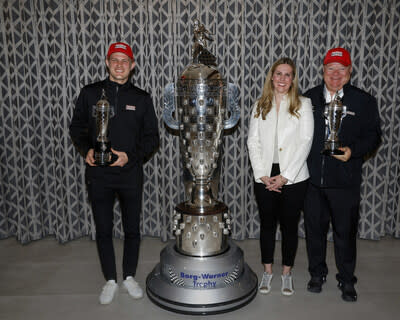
(265, 180)
(276, 183)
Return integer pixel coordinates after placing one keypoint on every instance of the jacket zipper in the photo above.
(322, 170)
(116, 97)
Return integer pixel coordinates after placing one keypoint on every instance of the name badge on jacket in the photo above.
(131, 108)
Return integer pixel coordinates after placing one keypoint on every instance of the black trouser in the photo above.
(102, 195)
(341, 207)
(284, 208)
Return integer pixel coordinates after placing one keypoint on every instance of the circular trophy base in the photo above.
(329, 152)
(200, 286)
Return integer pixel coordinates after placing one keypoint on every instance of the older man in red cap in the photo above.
(133, 133)
(334, 189)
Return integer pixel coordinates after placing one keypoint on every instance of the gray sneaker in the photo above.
(287, 285)
(265, 283)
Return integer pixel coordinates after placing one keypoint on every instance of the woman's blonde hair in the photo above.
(264, 104)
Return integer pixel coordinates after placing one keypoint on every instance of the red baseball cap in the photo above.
(120, 47)
(338, 55)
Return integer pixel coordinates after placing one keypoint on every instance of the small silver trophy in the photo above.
(102, 149)
(204, 272)
(333, 114)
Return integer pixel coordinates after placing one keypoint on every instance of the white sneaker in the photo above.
(265, 283)
(108, 292)
(133, 288)
(287, 285)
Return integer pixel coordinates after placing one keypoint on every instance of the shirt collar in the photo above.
(328, 97)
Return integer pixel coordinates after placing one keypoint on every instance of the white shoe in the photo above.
(265, 283)
(133, 288)
(108, 292)
(287, 285)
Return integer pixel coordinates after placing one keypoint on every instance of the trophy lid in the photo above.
(199, 71)
(204, 62)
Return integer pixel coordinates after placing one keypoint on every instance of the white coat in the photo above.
(294, 141)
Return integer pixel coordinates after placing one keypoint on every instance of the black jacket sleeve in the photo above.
(151, 138)
(370, 133)
(149, 135)
(79, 127)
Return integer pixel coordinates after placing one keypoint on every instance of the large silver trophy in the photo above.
(203, 272)
(334, 113)
(102, 111)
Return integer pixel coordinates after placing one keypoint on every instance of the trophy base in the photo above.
(201, 285)
(103, 156)
(331, 152)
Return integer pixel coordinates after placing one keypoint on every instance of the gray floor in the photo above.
(46, 280)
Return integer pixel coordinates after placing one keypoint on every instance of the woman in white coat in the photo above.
(280, 137)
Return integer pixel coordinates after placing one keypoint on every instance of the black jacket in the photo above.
(360, 131)
(133, 129)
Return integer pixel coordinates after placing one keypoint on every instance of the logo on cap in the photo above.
(120, 47)
(336, 54)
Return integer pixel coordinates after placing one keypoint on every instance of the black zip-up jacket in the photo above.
(133, 129)
(360, 131)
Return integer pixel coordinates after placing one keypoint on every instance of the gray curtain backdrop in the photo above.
(50, 49)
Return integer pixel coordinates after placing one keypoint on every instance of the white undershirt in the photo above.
(329, 97)
(276, 152)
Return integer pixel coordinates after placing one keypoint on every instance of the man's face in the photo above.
(336, 76)
(119, 66)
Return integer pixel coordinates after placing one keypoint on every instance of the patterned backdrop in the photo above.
(50, 49)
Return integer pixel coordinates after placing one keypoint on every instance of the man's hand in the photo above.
(122, 158)
(90, 158)
(344, 157)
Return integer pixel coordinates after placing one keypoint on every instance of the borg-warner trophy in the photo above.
(203, 272)
(334, 113)
(102, 149)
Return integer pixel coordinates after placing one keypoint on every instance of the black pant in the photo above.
(284, 208)
(102, 195)
(341, 207)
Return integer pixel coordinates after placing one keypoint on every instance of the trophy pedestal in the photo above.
(201, 285)
(102, 153)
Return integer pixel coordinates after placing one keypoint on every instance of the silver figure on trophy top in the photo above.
(334, 113)
(204, 272)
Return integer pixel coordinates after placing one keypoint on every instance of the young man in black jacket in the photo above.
(334, 188)
(133, 132)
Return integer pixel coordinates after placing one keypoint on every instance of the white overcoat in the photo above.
(295, 136)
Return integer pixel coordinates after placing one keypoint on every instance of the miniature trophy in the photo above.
(102, 149)
(333, 114)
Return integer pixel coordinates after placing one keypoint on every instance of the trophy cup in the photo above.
(333, 114)
(102, 149)
(204, 272)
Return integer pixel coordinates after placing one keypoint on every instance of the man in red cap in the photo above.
(133, 132)
(334, 189)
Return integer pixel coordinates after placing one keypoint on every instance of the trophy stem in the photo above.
(202, 195)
